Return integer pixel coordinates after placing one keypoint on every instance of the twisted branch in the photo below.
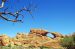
(15, 15)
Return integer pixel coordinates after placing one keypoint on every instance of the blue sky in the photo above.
(51, 15)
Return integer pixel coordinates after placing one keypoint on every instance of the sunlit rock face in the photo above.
(56, 34)
(36, 38)
(4, 40)
(20, 35)
(39, 32)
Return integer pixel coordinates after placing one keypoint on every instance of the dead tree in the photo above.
(15, 14)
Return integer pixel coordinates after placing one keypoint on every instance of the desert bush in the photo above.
(69, 42)
(43, 47)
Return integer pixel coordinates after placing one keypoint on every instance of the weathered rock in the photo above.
(20, 35)
(38, 32)
(4, 39)
(1, 37)
(52, 43)
(56, 34)
(36, 38)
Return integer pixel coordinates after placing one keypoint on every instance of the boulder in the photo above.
(36, 38)
(52, 43)
(4, 39)
(20, 35)
(39, 32)
(56, 34)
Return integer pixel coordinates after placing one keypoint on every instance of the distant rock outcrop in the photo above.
(36, 38)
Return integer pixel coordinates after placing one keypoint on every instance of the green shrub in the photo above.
(69, 42)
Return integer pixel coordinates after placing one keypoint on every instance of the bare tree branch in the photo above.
(2, 4)
(10, 19)
(15, 15)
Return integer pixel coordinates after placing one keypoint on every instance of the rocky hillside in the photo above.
(35, 38)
